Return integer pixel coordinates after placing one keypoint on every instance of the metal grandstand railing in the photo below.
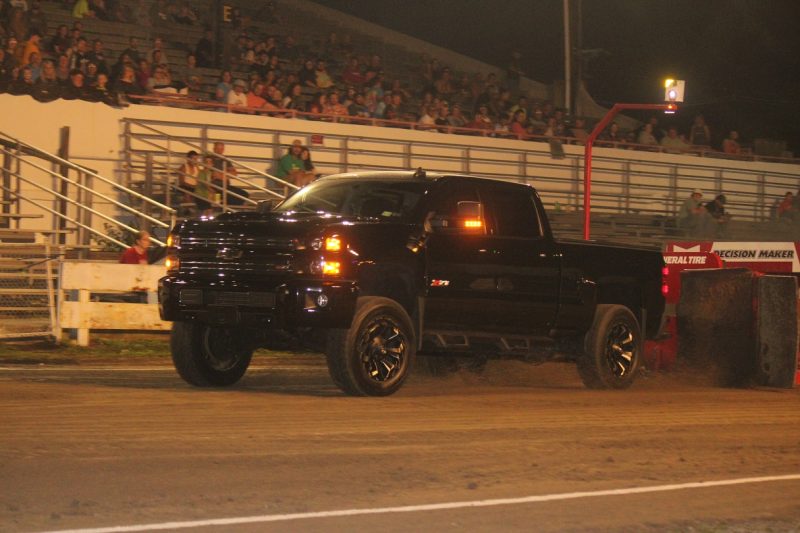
(153, 158)
(625, 182)
(74, 204)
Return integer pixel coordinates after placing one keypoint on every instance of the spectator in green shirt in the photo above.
(291, 167)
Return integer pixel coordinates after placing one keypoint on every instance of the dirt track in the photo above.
(115, 444)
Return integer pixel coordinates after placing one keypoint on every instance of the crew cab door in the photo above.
(489, 266)
(528, 266)
(460, 272)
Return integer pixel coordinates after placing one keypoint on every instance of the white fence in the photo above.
(98, 295)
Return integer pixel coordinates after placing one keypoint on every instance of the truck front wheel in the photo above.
(374, 356)
(612, 349)
(207, 356)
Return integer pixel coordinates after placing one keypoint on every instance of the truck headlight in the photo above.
(333, 244)
(326, 267)
(172, 263)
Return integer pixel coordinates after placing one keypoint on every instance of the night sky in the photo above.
(740, 58)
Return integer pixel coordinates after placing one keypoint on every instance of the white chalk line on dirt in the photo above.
(433, 506)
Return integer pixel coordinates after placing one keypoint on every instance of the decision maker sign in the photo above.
(778, 257)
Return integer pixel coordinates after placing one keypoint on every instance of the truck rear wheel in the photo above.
(373, 357)
(207, 356)
(612, 349)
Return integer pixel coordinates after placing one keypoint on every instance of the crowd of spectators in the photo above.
(343, 85)
(273, 74)
(708, 219)
(652, 136)
(50, 63)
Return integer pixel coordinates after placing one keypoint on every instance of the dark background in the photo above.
(740, 58)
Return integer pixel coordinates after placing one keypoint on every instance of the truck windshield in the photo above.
(387, 200)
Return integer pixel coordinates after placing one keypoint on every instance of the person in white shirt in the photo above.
(237, 97)
(428, 119)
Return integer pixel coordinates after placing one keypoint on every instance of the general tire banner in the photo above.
(777, 257)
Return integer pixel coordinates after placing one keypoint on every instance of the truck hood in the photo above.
(277, 226)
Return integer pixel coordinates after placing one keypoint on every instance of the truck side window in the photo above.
(514, 214)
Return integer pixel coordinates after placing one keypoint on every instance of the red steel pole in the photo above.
(587, 154)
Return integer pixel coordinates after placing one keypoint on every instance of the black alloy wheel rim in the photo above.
(621, 350)
(382, 349)
(221, 348)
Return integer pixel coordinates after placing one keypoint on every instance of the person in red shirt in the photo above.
(518, 126)
(137, 254)
(482, 120)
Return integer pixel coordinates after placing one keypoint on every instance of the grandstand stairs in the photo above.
(49, 198)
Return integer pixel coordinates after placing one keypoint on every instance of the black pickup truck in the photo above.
(373, 268)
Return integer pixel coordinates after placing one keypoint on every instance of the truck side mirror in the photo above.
(468, 219)
(439, 222)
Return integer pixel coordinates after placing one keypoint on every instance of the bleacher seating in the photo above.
(309, 30)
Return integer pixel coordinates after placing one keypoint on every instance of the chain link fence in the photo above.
(28, 274)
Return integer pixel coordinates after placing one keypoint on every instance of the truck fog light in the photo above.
(322, 300)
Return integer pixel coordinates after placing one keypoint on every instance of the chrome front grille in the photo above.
(236, 254)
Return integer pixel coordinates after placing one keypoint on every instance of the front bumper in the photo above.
(299, 303)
